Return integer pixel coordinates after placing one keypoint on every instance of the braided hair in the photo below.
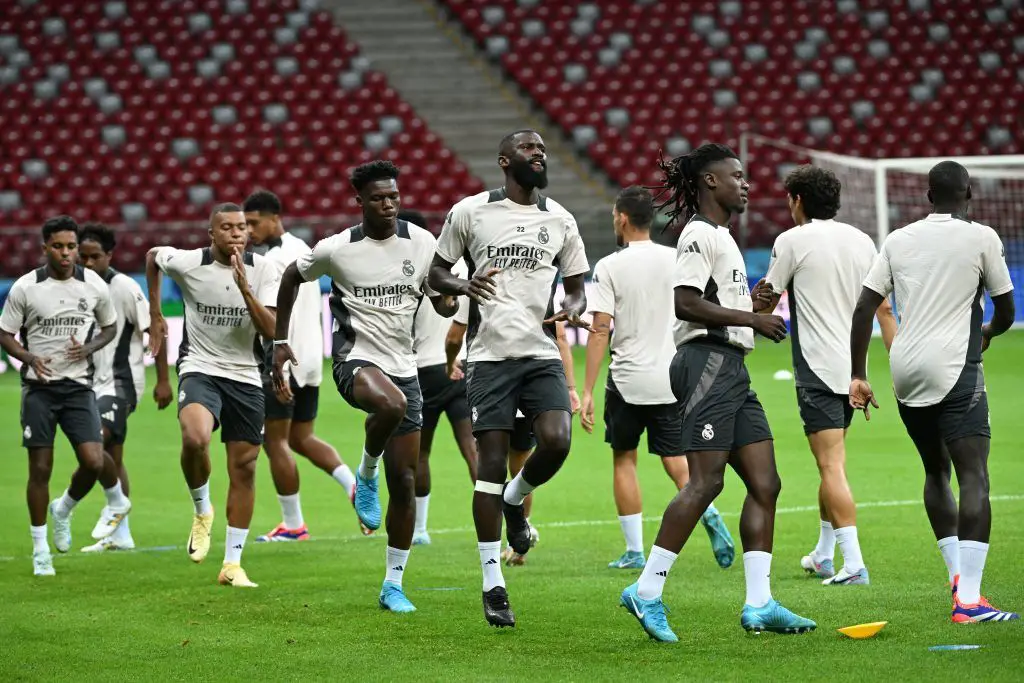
(680, 186)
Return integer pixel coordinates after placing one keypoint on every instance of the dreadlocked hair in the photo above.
(680, 184)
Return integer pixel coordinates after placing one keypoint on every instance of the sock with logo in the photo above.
(633, 532)
(826, 548)
(65, 504)
(490, 562)
(950, 549)
(972, 566)
(422, 505)
(201, 499)
(234, 545)
(848, 543)
(652, 580)
(518, 489)
(397, 559)
(368, 465)
(343, 475)
(291, 511)
(116, 500)
(39, 542)
(757, 569)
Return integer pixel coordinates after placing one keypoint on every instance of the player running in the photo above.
(822, 263)
(378, 271)
(55, 309)
(120, 370)
(723, 421)
(229, 298)
(633, 286)
(938, 268)
(289, 426)
(515, 241)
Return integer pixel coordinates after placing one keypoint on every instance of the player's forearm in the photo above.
(286, 293)
(105, 336)
(13, 348)
(263, 318)
(162, 374)
(565, 351)
(575, 300)
(694, 308)
(1002, 317)
(441, 279)
(453, 343)
(597, 346)
(860, 331)
(887, 323)
(153, 283)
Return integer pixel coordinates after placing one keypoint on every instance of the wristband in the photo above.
(279, 342)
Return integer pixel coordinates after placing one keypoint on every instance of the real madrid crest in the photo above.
(407, 268)
(542, 236)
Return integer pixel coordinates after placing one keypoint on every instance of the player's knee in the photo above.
(39, 470)
(242, 470)
(402, 487)
(767, 488)
(555, 438)
(91, 459)
(194, 440)
(278, 448)
(707, 487)
(393, 406)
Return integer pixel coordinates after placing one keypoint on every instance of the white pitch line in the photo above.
(563, 525)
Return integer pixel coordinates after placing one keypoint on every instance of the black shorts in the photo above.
(521, 439)
(69, 404)
(822, 409)
(345, 375)
(114, 412)
(304, 405)
(442, 396)
(497, 389)
(719, 410)
(237, 407)
(625, 423)
(955, 417)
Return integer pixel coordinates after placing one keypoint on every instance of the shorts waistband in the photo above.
(714, 345)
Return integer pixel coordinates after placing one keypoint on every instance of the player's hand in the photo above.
(587, 413)
(862, 397)
(574, 401)
(40, 366)
(455, 371)
(570, 319)
(163, 395)
(986, 337)
(282, 387)
(238, 270)
(75, 352)
(157, 333)
(771, 326)
(482, 288)
(762, 295)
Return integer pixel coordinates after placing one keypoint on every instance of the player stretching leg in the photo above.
(822, 263)
(229, 300)
(289, 426)
(938, 268)
(515, 241)
(723, 421)
(55, 309)
(378, 271)
(120, 370)
(634, 286)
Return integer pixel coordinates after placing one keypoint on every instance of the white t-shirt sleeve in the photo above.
(106, 314)
(268, 280)
(13, 317)
(782, 265)
(171, 261)
(879, 278)
(452, 243)
(695, 257)
(317, 263)
(136, 307)
(462, 315)
(572, 258)
(993, 262)
(602, 296)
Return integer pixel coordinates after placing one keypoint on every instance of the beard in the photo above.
(523, 173)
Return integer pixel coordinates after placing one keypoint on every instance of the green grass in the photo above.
(154, 615)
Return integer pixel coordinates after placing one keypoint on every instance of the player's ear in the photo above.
(711, 180)
(930, 200)
(503, 161)
(968, 195)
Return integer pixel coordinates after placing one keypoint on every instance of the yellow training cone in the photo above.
(863, 630)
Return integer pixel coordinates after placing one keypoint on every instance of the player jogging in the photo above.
(120, 369)
(723, 421)
(229, 297)
(938, 268)
(515, 241)
(822, 263)
(633, 286)
(289, 426)
(56, 310)
(378, 271)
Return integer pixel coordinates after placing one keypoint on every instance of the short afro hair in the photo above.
(948, 181)
(62, 223)
(372, 171)
(637, 203)
(507, 145)
(224, 207)
(818, 189)
(98, 233)
(263, 201)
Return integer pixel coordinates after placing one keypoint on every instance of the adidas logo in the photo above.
(692, 248)
(108, 416)
(237, 547)
(663, 573)
(399, 568)
(490, 561)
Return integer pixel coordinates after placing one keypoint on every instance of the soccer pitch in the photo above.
(153, 615)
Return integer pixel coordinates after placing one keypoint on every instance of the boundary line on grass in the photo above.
(546, 525)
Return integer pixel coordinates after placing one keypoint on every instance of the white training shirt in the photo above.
(46, 313)
(121, 365)
(822, 263)
(432, 329)
(305, 329)
(529, 244)
(939, 268)
(220, 338)
(634, 286)
(376, 287)
(708, 260)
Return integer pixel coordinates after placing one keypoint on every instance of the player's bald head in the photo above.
(948, 181)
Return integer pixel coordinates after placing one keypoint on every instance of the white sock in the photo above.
(65, 504)
(234, 545)
(201, 499)
(517, 490)
(368, 465)
(757, 569)
(633, 531)
(39, 542)
(397, 559)
(972, 565)
(291, 511)
(343, 475)
(826, 548)
(122, 532)
(651, 583)
(848, 543)
(116, 500)
(422, 505)
(950, 549)
(490, 562)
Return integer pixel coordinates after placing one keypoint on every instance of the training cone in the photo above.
(863, 630)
